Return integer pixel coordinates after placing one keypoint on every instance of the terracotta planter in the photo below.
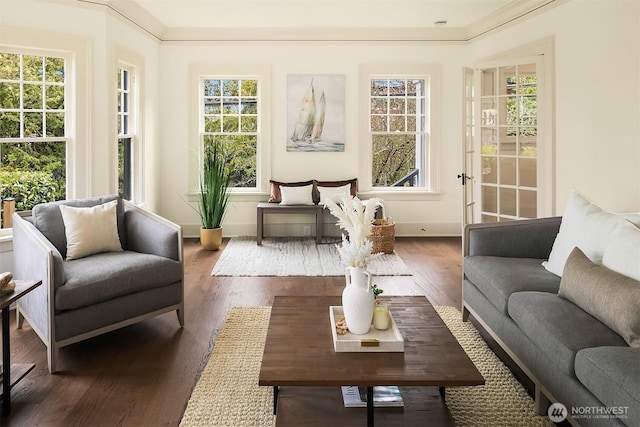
(210, 238)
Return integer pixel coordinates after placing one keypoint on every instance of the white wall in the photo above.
(597, 87)
(439, 215)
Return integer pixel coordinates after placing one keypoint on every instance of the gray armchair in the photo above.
(85, 297)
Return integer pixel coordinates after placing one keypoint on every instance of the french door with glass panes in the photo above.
(510, 142)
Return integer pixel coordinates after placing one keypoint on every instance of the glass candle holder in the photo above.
(381, 318)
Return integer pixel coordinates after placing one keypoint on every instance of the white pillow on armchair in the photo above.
(91, 230)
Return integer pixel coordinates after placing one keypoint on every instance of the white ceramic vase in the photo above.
(358, 300)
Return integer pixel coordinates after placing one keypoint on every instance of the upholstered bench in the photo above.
(304, 197)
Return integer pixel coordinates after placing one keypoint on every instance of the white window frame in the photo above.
(134, 63)
(431, 74)
(200, 72)
(75, 51)
(125, 119)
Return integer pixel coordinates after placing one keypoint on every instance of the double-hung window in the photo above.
(399, 110)
(126, 125)
(33, 127)
(399, 131)
(230, 114)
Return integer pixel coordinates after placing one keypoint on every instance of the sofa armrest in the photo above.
(35, 258)
(530, 238)
(151, 234)
(32, 252)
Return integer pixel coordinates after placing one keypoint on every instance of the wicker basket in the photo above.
(383, 235)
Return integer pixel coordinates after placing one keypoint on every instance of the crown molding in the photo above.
(509, 14)
(130, 12)
(314, 34)
(127, 11)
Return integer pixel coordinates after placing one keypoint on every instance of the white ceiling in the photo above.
(409, 20)
(318, 13)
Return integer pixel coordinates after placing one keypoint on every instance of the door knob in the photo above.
(464, 177)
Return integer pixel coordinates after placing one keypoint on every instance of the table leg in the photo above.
(442, 393)
(319, 218)
(276, 390)
(260, 225)
(6, 364)
(369, 406)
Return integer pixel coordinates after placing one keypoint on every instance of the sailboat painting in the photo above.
(315, 112)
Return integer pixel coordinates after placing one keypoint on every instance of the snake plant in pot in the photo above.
(213, 193)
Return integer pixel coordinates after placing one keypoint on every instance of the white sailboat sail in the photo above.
(316, 133)
(310, 120)
(306, 117)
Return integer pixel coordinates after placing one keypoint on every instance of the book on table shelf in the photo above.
(383, 396)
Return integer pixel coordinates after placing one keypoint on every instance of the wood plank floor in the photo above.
(142, 375)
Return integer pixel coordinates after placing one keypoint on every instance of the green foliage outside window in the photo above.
(243, 172)
(521, 112)
(28, 188)
(398, 120)
(230, 113)
(32, 105)
(394, 156)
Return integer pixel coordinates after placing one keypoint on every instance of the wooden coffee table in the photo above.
(12, 373)
(299, 350)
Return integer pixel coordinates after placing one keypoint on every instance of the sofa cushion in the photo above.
(108, 275)
(622, 253)
(558, 327)
(610, 297)
(586, 226)
(612, 374)
(498, 277)
(91, 230)
(48, 219)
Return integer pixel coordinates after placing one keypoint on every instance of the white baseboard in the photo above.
(436, 229)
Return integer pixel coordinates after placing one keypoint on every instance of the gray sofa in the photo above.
(85, 297)
(571, 357)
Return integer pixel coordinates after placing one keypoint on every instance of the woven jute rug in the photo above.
(227, 393)
(502, 401)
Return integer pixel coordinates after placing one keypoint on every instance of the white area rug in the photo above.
(294, 256)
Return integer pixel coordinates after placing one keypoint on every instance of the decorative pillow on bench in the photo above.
(325, 189)
(295, 193)
(302, 195)
(276, 189)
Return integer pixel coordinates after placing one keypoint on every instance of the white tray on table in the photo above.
(374, 341)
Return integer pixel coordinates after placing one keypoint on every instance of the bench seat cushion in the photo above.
(558, 327)
(104, 276)
(498, 277)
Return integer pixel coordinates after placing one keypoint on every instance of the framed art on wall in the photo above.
(315, 112)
